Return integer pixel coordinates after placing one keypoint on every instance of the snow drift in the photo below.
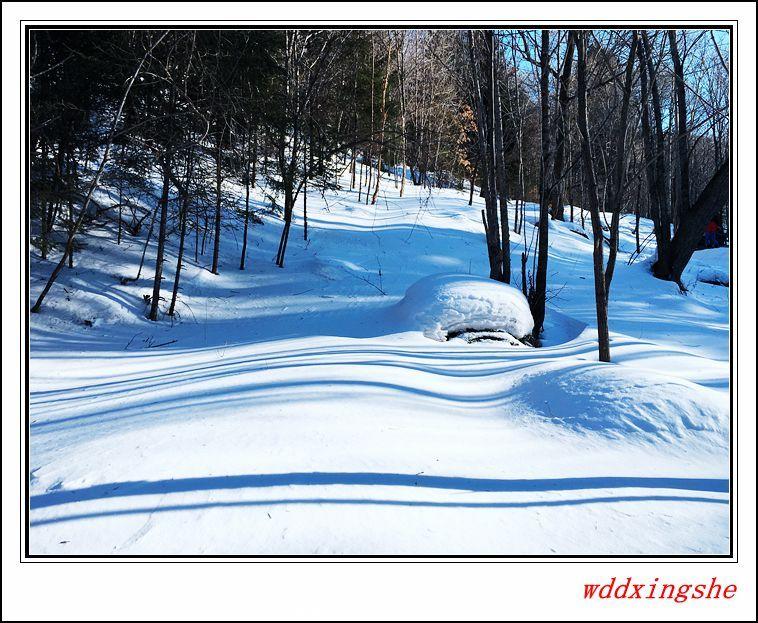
(708, 266)
(445, 304)
(618, 401)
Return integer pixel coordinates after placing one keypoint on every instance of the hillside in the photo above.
(289, 411)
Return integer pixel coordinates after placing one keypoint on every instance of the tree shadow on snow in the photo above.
(363, 479)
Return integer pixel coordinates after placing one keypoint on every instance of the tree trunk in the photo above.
(690, 230)
(619, 170)
(556, 195)
(537, 300)
(306, 173)
(486, 149)
(182, 235)
(601, 300)
(289, 201)
(502, 185)
(473, 178)
(217, 231)
(655, 154)
(492, 182)
(153, 315)
(120, 202)
(249, 181)
(383, 115)
(682, 146)
(71, 221)
(401, 71)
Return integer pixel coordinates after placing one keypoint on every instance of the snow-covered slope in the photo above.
(290, 411)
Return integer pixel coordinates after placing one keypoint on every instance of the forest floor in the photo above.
(284, 412)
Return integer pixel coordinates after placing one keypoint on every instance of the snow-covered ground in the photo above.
(296, 411)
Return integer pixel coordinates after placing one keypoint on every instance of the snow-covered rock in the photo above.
(442, 304)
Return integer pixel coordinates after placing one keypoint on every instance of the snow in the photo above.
(303, 410)
(625, 403)
(442, 304)
(707, 266)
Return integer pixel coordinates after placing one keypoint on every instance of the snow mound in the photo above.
(621, 401)
(708, 266)
(445, 304)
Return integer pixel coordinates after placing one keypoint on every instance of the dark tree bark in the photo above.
(120, 202)
(674, 254)
(70, 184)
(556, 195)
(502, 186)
(682, 143)
(147, 241)
(591, 197)
(217, 229)
(383, 122)
(401, 86)
(538, 296)
(370, 171)
(307, 172)
(251, 168)
(485, 129)
(289, 201)
(473, 179)
(163, 208)
(185, 197)
(619, 170)
(492, 190)
(655, 157)
(714, 196)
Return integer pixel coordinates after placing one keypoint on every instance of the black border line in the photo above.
(27, 557)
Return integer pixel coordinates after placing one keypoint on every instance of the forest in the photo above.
(606, 120)
(230, 222)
